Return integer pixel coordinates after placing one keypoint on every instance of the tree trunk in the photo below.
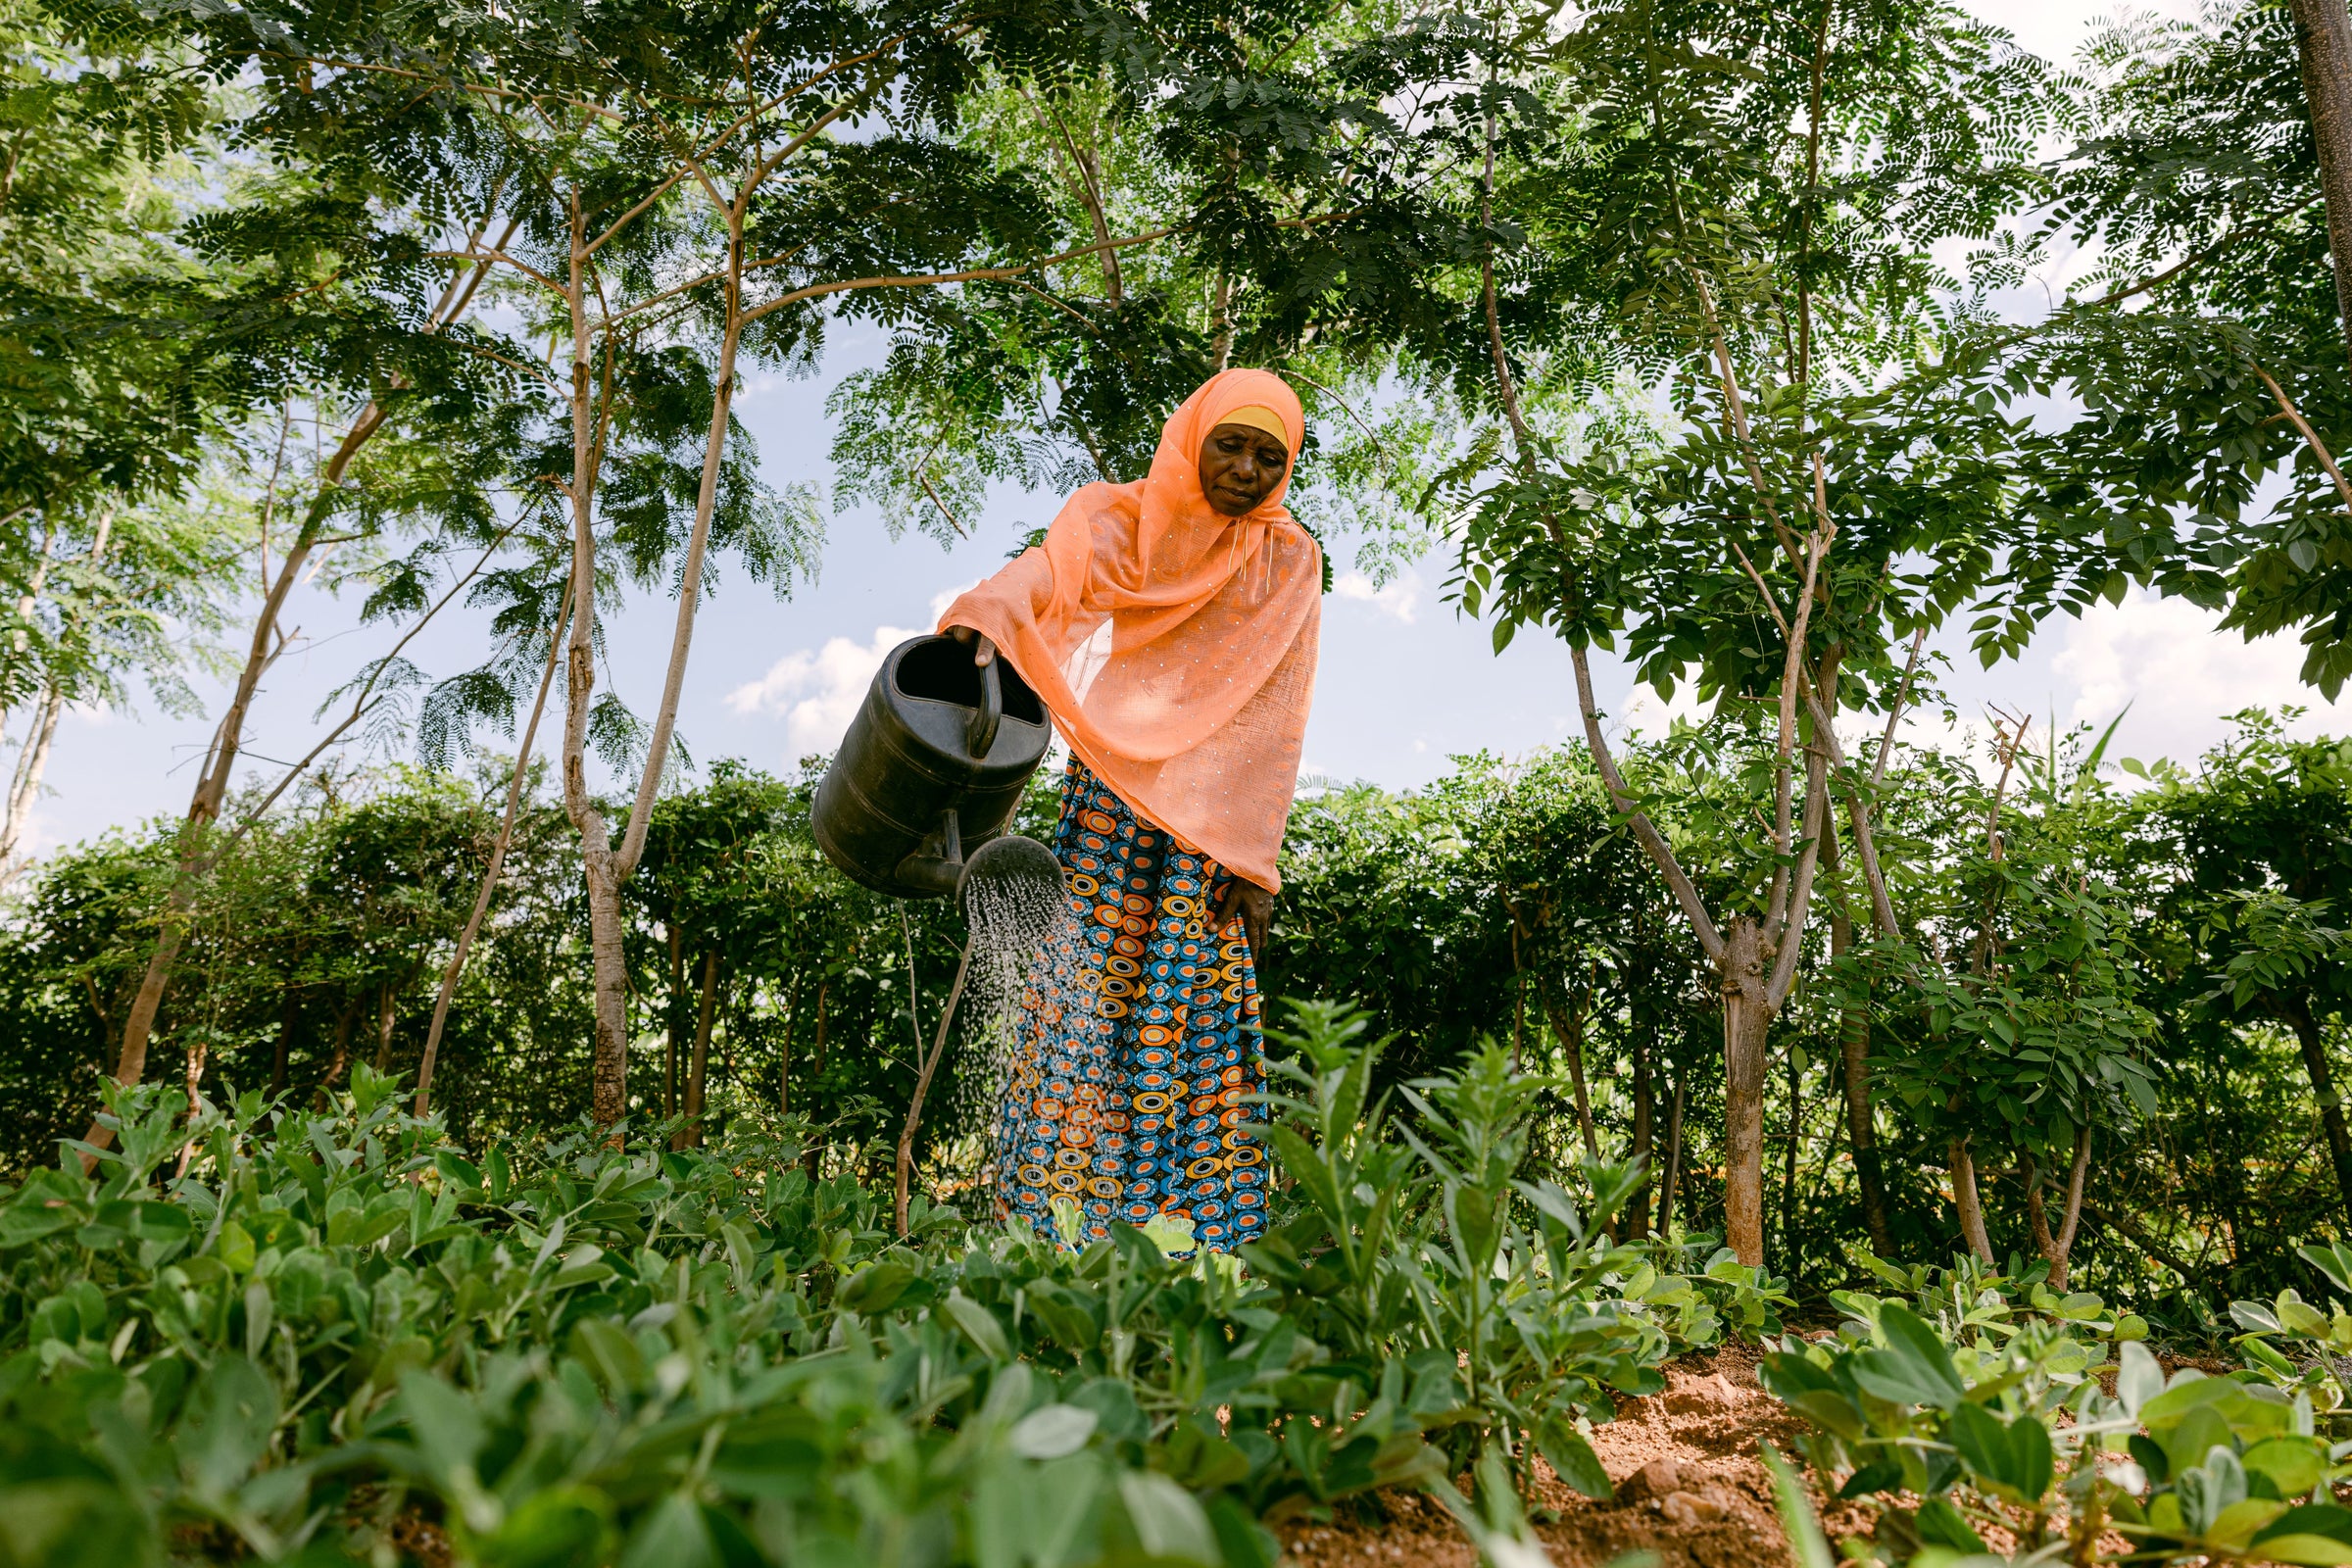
(1645, 1145)
(1746, 1023)
(676, 1023)
(792, 1017)
(24, 788)
(131, 1065)
(2298, 1014)
(1796, 1127)
(824, 987)
(289, 1010)
(1673, 1151)
(1571, 1032)
(698, 1067)
(1854, 1050)
(498, 859)
(607, 867)
(1220, 323)
(1853, 1044)
(2056, 1250)
(2324, 39)
(383, 1027)
(212, 784)
(726, 1053)
(1965, 1199)
(905, 1165)
(198, 1050)
(608, 1095)
(814, 1160)
(341, 1057)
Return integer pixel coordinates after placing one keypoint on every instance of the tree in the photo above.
(328, 308)
(2266, 833)
(1730, 210)
(112, 389)
(2205, 353)
(2014, 1012)
(2324, 50)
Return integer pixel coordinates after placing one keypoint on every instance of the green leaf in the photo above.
(449, 1431)
(1981, 1440)
(31, 1217)
(226, 1429)
(979, 1325)
(1916, 1367)
(1041, 1514)
(875, 1287)
(1169, 1521)
(2309, 1519)
(2138, 1377)
(2254, 1317)
(1805, 1539)
(234, 1248)
(2319, 1551)
(2293, 1465)
(1052, 1431)
(2333, 1260)
(457, 1171)
(1199, 1457)
(1571, 1457)
(563, 1524)
(1943, 1525)
(672, 1535)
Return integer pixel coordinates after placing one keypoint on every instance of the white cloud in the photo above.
(941, 600)
(818, 691)
(1644, 713)
(1400, 599)
(2180, 672)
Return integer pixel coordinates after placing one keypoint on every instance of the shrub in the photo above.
(1981, 1400)
(262, 1331)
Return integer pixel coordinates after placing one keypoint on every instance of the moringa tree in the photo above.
(1704, 300)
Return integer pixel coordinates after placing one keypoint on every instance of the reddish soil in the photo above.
(1691, 1488)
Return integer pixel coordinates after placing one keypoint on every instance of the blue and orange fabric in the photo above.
(1138, 1045)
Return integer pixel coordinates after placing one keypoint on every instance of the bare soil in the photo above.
(1691, 1488)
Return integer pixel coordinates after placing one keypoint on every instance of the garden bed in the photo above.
(1691, 1488)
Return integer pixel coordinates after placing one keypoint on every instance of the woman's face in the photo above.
(1239, 467)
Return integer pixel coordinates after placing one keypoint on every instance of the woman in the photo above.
(1170, 627)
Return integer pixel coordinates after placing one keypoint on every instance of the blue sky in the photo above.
(1404, 682)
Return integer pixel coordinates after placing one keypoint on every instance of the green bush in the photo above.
(260, 1331)
(1981, 1401)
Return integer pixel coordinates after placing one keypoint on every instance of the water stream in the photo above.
(1012, 908)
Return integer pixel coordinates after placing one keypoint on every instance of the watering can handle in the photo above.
(990, 712)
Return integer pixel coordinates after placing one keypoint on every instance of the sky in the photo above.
(1405, 682)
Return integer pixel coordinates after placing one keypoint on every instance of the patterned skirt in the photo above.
(1136, 1042)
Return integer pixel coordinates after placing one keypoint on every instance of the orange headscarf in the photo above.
(1175, 646)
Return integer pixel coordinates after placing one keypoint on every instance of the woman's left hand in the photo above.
(1255, 905)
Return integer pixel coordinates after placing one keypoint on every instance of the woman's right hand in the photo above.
(984, 652)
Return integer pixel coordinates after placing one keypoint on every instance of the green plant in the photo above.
(1431, 1265)
(1986, 1408)
(2321, 1339)
(319, 1330)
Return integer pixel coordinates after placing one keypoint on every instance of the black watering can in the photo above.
(931, 771)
